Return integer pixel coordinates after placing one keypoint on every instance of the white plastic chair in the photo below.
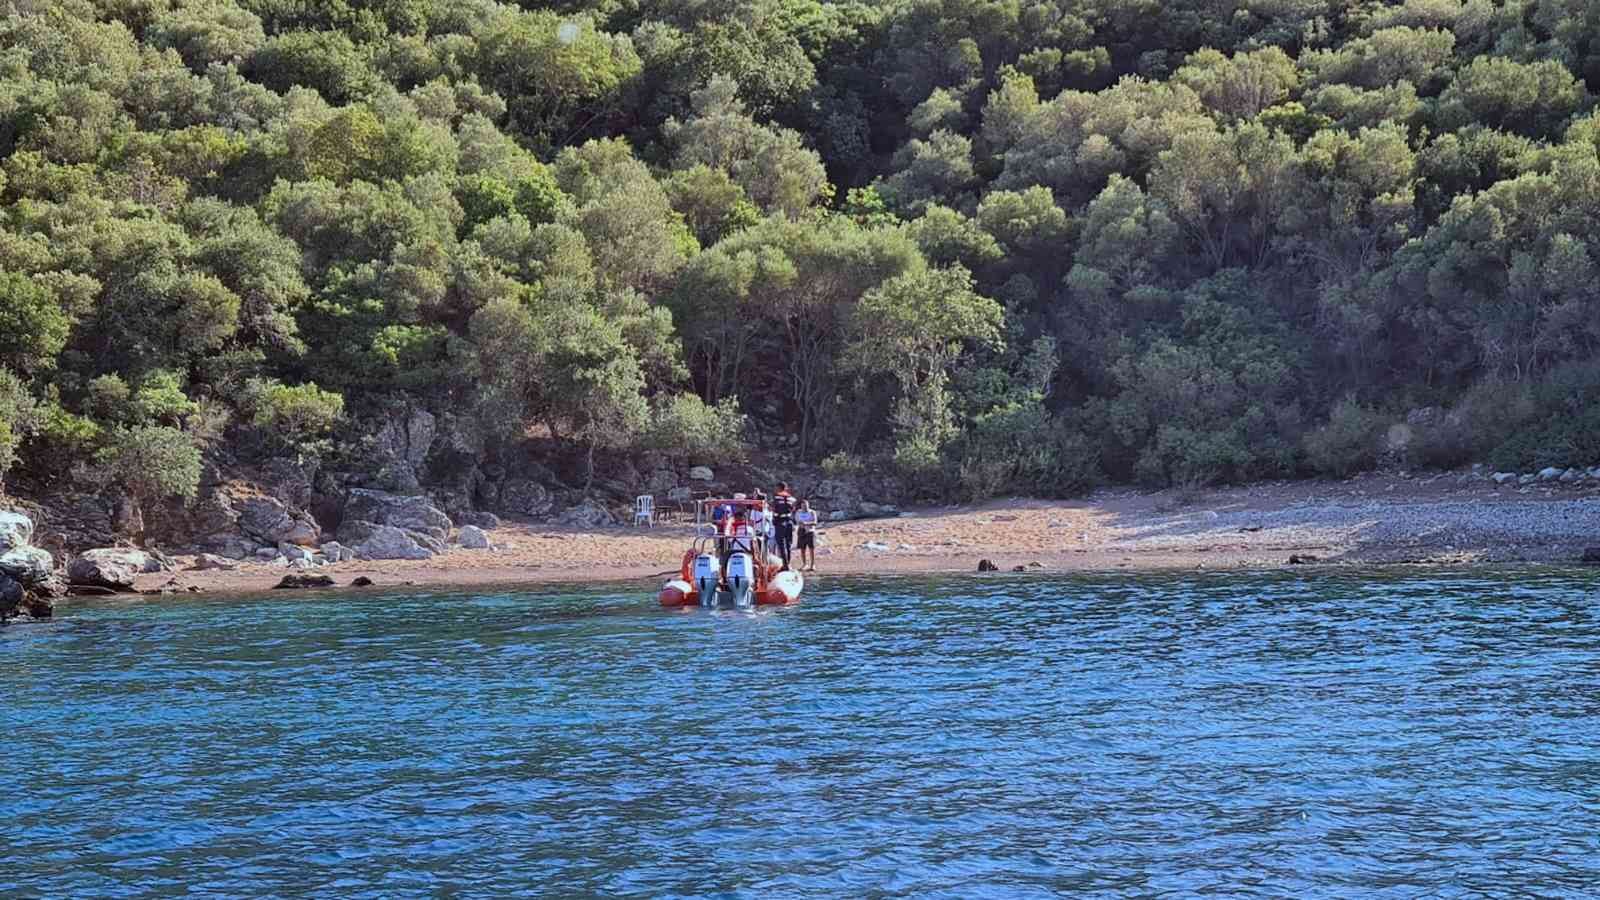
(644, 510)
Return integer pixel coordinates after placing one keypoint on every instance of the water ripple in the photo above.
(1263, 735)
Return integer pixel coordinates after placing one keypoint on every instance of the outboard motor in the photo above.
(706, 573)
(742, 579)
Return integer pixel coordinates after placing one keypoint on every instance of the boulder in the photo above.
(680, 494)
(1591, 556)
(1299, 560)
(588, 514)
(488, 521)
(875, 546)
(294, 553)
(16, 530)
(1550, 473)
(985, 565)
(361, 581)
(473, 538)
(267, 554)
(112, 568)
(1571, 475)
(267, 520)
(335, 552)
(837, 494)
(28, 565)
(1503, 477)
(11, 595)
(413, 512)
(210, 562)
(1527, 479)
(661, 481)
(521, 497)
(701, 473)
(876, 510)
(389, 542)
(301, 582)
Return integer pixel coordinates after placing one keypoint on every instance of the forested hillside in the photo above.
(987, 245)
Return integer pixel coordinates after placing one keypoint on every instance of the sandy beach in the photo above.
(1450, 518)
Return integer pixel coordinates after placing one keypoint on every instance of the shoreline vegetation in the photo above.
(1441, 519)
(330, 281)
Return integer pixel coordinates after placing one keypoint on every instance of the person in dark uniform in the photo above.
(783, 521)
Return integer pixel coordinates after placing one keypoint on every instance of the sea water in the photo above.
(1308, 735)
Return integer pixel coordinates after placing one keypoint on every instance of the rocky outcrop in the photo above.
(114, 568)
(522, 497)
(269, 521)
(335, 552)
(389, 542)
(488, 521)
(381, 525)
(28, 584)
(473, 538)
(402, 446)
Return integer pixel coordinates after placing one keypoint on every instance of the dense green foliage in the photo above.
(1006, 245)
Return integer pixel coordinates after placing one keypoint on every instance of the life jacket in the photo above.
(783, 506)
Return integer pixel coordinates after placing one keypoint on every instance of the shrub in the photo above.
(687, 427)
(18, 417)
(153, 461)
(297, 417)
(842, 464)
(1349, 442)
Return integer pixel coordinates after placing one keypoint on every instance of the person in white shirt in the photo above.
(805, 520)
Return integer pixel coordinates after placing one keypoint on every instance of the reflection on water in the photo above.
(970, 737)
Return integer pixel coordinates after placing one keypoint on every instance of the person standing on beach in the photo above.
(805, 520)
(783, 521)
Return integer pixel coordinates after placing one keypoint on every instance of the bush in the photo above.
(842, 464)
(18, 417)
(1348, 443)
(298, 417)
(686, 427)
(153, 461)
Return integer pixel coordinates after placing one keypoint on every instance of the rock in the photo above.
(389, 542)
(302, 582)
(335, 552)
(302, 564)
(402, 447)
(267, 554)
(838, 515)
(525, 498)
(488, 521)
(836, 494)
(1594, 473)
(588, 514)
(1550, 473)
(295, 553)
(680, 495)
(1571, 475)
(16, 530)
(414, 513)
(473, 538)
(11, 594)
(701, 473)
(28, 565)
(1019, 568)
(112, 568)
(209, 562)
(661, 481)
(267, 520)
(877, 510)
(1503, 477)
(361, 581)
(985, 565)
(1004, 519)
(1527, 479)
(1299, 560)
(875, 546)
